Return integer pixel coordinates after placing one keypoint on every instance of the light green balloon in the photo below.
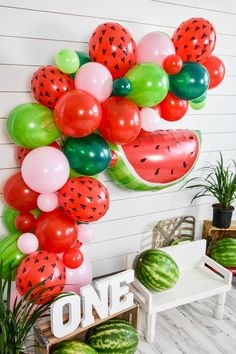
(67, 61)
(31, 125)
(149, 83)
(197, 105)
(201, 98)
(8, 218)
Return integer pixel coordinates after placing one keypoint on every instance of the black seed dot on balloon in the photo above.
(100, 213)
(22, 289)
(104, 206)
(189, 56)
(172, 171)
(176, 48)
(94, 209)
(113, 28)
(204, 35)
(47, 94)
(72, 200)
(120, 46)
(61, 288)
(93, 34)
(105, 62)
(52, 71)
(79, 195)
(124, 30)
(122, 38)
(100, 39)
(179, 37)
(184, 164)
(90, 189)
(136, 146)
(178, 29)
(205, 46)
(29, 284)
(187, 29)
(24, 270)
(40, 94)
(56, 99)
(107, 196)
(157, 147)
(72, 181)
(204, 26)
(19, 280)
(104, 51)
(123, 59)
(60, 277)
(49, 103)
(65, 203)
(116, 67)
(198, 55)
(41, 84)
(192, 152)
(197, 28)
(99, 198)
(185, 46)
(195, 21)
(196, 46)
(192, 38)
(43, 69)
(34, 89)
(61, 80)
(113, 54)
(40, 252)
(41, 269)
(178, 142)
(129, 62)
(191, 137)
(81, 182)
(93, 47)
(50, 277)
(77, 217)
(91, 217)
(44, 76)
(157, 171)
(143, 160)
(36, 76)
(57, 89)
(90, 198)
(74, 209)
(111, 40)
(168, 148)
(83, 206)
(104, 31)
(125, 51)
(53, 265)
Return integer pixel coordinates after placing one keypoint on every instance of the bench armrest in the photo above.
(219, 268)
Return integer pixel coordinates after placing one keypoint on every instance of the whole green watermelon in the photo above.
(156, 270)
(224, 252)
(73, 347)
(113, 337)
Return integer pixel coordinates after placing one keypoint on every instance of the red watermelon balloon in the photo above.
(113, 46)
(41, 266)
(194, 40)
(20, 153)
(48, 84)
(85, 199)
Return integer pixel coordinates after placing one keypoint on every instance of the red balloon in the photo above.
(113, 46)
(41, 266)
(78, 244)
(194, 39)
(49, 84)
(77, 114)
(73, 258)
(172, 108)
(18, 195)
(25, 222)
(121, 120)
(216, 70)
(56, 231)
(84, 198)
(114, 158)
(172, 64)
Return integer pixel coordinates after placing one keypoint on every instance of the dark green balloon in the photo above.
(8, 218)
(191, 82)
(121, 87)
(83, 59)
(89, 155)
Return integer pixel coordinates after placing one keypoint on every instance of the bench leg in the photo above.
(150, 327)
(219, 311)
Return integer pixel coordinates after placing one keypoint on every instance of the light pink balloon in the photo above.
(45, 169)
(15, 296)
(96, 79)
(150, 119)
(79, 277)
(27, 243)
(154, 47)
(85, 233)
(47, 202)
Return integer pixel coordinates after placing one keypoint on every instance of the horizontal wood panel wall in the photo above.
(31, 32)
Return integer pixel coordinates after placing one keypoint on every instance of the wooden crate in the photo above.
(45, 341)
(212, 233)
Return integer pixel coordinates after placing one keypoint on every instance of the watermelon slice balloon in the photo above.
(156, 160)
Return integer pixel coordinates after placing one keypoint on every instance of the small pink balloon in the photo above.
(15, 298)
(79, 277)
(154, 47)
(85, 233)
(150, 119)
(45, 169)
(27, 243)
(96, 79)
(47, 202)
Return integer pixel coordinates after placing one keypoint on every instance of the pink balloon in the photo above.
(79, 277)
(47, 202)
(150, 119)
(96, 79)
(45, 169)
(85, 233)
(154, 47)
(15, 297)
(27, 243)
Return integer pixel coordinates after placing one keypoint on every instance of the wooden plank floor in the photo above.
(192, 329)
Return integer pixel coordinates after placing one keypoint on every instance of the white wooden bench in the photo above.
(196, 282)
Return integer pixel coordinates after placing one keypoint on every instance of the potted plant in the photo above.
(17, 319)
(220, 182)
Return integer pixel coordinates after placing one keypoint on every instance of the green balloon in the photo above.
(197, 105)
(201, 98)
(89, 155)
(31, 125)
(36, 213)
(149, 84)
(84, 58)
(74, 174)
(121, 87)
(8, 218)
(67, 61)
(10, 256)
(191, 82)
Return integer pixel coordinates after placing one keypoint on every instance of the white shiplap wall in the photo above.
(31, 32)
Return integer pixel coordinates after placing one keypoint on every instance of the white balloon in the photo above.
(150, 119)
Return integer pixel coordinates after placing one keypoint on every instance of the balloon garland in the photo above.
(99, 112)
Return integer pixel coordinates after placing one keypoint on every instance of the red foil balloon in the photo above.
(41, 266)
(172, 108)
(25, 222)
(56, 231)
(172, 64)
(85, 199)
(194, 39)
(73, 258)
(216, 70)
(49, 84)
(121, 120)
(113, 46)
(77, 114)
(18, 195)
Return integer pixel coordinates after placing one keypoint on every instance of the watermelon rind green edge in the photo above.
(148, 272)
(224, 252)
(113, 337)
(73, 347)
(126, 180)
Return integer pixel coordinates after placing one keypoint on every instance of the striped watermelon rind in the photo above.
(73, 347)
(180, 240)
(113, 337)
(223, 251)
(156, 270)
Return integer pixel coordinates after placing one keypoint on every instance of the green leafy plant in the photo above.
(220, 182)
(17, 321)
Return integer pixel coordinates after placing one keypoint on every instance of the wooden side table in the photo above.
(212, 233)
